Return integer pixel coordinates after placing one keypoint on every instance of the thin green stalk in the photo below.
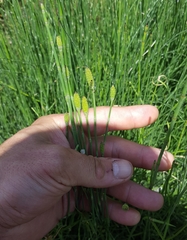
(85, 109)
(177, 233)
(112, 97)
(183, 132)
(179, 195)
(62, 72)
(95, 123)
(78, 122)
(157, 230)
(91, 84)
(174, 119)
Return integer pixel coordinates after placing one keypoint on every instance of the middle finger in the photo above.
(139, 155)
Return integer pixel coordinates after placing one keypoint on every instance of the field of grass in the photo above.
(138, 46)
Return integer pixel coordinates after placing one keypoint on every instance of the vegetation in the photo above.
(137, 46)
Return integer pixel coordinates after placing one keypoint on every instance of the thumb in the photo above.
(89, 171)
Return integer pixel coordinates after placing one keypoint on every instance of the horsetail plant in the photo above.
(74, 117)
(85, 106)
(78, 121)
(89, 78)
(61, 63)
(112, 97)
(66, 120)
(85, 109)
(73, 101)
(90, 81)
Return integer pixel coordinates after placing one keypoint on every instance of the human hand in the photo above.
(38, 168)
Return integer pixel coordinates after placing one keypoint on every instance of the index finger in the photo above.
(121, 118)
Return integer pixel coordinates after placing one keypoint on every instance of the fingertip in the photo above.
(155, 109)
(133, 217)
(167, 160)
(154, 113)
(159, 202)
(128, 217)
(136, 216)
(145, 114)
(154, 201)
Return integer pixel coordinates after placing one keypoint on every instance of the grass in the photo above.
(137, 46)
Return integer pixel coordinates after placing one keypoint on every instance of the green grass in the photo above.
(140, 47)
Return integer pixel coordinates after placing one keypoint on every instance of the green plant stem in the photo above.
(174, 119)
(95, 121)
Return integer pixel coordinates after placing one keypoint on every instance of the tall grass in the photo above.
(138, 46)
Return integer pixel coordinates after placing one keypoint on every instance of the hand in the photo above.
(38, 168)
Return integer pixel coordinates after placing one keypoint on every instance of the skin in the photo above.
(38, 168)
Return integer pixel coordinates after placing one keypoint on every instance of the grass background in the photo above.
(140, 47)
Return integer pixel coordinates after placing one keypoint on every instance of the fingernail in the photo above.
(122, 169)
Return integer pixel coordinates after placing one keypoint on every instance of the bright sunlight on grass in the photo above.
(132, 52)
